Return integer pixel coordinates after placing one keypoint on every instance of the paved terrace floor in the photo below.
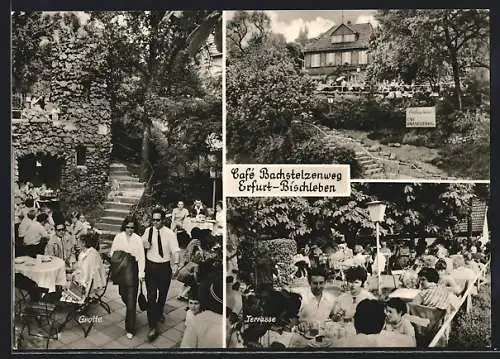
(110, 332)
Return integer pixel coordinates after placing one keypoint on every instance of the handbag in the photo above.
(142, 301)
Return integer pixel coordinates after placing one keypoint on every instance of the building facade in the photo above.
(341, 53)
(61, 129)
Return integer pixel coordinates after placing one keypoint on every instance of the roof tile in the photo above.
(323, 42)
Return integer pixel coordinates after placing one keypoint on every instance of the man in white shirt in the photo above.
(316, 304)
(36, 236)
(162, 259)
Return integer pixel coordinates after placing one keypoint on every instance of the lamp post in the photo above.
(213, 176)
(330, 102)
(376, 209)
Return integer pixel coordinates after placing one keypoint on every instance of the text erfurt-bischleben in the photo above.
(282, 180)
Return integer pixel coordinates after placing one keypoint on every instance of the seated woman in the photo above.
(345, 305)
(396, 319)
(206, 333)
(431, 294)
(90, 266)
(445, 279)
(179, 214)
(369, 321)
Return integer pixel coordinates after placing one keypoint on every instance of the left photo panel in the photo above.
(116, 163)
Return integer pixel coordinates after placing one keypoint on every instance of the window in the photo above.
(330, 58)
(315, 60)
(338, 58)
(349, 38)
(363, 58)
(336, 39)
(343, 38)
(346, 58)
(81, 154)
(17, 105)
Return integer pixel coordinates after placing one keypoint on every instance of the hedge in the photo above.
(473, 330)
(281, 251)
(317, 150)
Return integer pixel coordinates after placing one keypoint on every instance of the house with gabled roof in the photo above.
(342, 46)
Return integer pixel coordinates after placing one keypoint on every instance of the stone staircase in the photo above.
(129, 194)
(370, 167)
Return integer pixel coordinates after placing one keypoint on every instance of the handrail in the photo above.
(466, 297)
(145, 187)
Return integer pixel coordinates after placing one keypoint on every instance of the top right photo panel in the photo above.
(396, 94)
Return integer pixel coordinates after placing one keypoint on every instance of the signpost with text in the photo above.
(420, 117)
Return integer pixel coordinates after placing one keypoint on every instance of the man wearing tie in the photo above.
(162, 259)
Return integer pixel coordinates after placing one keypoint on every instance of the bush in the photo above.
(318, 151)
(466, 160)
(87, 201)
(473, 330)
(281, 251)
(365, 113)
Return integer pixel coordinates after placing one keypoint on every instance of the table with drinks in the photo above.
(321, 334)
(47, 271)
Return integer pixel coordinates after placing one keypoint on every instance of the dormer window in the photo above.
(343, 38)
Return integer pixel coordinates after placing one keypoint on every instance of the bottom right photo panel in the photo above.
(393, 265)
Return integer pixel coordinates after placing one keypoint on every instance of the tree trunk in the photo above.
(146, 151)
(456, 77)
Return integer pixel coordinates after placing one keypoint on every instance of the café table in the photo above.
(407, 294)
(47, 273)
(190, 223)
(329, 333)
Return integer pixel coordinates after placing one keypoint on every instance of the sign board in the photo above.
(103, 129)
(420, 117)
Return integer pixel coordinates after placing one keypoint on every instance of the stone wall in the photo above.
(76, 112)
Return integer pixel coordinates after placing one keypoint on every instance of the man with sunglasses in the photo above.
(62, 245)
(162, 260)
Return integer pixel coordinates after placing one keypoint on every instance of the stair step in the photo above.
(371, 166)
(131, 185)
(111, 220)
(117, 206)
(116, 212)
(123, 177)
(366, 161)
(117, 173)
(372, 171)
(364, 158)
(130, 193)
(109, 227)
(128, 200)
(117, 165)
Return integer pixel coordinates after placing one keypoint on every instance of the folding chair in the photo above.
(427, 322)
(42, 313)
(96, 297)
(77, 308)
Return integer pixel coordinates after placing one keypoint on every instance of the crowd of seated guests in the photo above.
(40, 231)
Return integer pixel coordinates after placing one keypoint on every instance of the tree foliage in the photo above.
(265, 94)
(425, 45)
(414, 210)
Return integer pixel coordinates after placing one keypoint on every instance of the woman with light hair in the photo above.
(462, 275)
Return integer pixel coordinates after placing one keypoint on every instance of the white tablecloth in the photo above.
(45, 274)
(190, 223)
(405, 293)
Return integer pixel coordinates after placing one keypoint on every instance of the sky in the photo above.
(290, 22)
